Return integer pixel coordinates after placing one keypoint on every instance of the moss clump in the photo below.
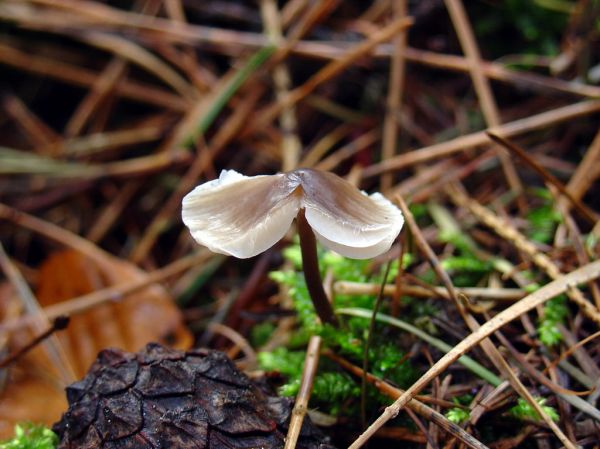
(31, 436)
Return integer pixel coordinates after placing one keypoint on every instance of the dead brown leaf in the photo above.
(32, 390)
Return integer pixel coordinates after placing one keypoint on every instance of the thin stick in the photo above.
(312, 275)
(58, 324)
(351, 148)
(53, 347)
(311, 363)
(78, 76)
(394, 97)
(114, 293)
(360, 288)
(238, 340)
(463, 29)
(473, 140)
(587, 171)
(329, 71)
(112, 72)
(582, 275)
(36, 131)
(548, 177)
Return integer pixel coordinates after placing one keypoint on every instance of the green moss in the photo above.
(555, 313)
(542, 223)
(31, 436)
(525, 412)
(530, 27)
(261, 333)
(457, 415)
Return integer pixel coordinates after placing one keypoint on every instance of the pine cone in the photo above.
(162, 398)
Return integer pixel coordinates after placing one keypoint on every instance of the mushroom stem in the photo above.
(312, 276)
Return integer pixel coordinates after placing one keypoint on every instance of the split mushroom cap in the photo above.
(243, 216)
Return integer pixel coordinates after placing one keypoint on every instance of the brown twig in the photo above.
(59, 323)
(290, 148)
(587, 171)
(365, 288)
(117, 292)
(311, 362)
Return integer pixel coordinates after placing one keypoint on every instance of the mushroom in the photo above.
(243, 216)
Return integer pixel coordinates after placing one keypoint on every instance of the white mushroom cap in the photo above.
(243, 216)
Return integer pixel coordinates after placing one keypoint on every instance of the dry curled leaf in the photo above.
(32, 390)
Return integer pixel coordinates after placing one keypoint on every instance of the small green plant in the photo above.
(555, 312)
(523, 411)
(465, 267)
(543, 218)
(457, 415)
(460, 413)
(532, 27)
(31, 436)
(261, 333)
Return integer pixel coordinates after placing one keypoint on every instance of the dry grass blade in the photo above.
(500, 72)
(94, 143)
(106, 82)
(290, 149)
(53, 232)
(68, 73)
(394, 97)
(39, 133)
(329, 71)
(58, 324)
(138, 55)
(21, 162)
(561, 285)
